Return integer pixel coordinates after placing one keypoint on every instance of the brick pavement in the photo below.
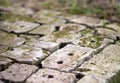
(50, 47)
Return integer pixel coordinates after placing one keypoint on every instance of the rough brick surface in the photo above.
(18, 72)
(19, 26)
(67, 58)
(4, 63)
(51, 76)
(9, 39)
(103, 65)
(26, 54)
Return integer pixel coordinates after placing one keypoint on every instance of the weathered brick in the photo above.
(18, 72)
(9, 39)
(104, 65)
(67, 58)
(51, 76)
(4, 63)
(89, 21)
(43, 30)
(18, 26)
(50, 46)
(61, 36)
(26, 54)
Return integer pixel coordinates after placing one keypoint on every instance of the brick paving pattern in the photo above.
(50, 47)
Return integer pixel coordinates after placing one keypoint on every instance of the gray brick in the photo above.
(51, 76)
(4, 63)
(3, 48)
(72, 27)
(18, 72)
(67, 58)
(26, 54)
(61, 36)
(9, 39)
(18, 26)
(115, 27)
(89, 21)
(91, 79)
(43, 30)
(50, 46)
(104, 65)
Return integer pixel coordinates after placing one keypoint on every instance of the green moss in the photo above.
(1, 58)
(87, 31)
(14, 17)
(83, 69)
(4, 3)
(6, 36)
(115, 79)
(48, 14)
(61, 34)
(93, 42)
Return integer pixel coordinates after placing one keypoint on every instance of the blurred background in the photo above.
(104, 9)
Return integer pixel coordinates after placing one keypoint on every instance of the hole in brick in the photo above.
(40, 65)
(117, 38)
(59, 62)
(41, 35)
(57, 28)
(18, 35)
(79, 76)
(50, 76)
(10, 71)
(93, 41)
(22, 26)
(70, 54)
(13, 74)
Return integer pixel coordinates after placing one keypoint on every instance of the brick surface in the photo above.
(90, 21)
(61, 36)
(18, 72)
(91, 79)
(9, 39)
(51, 76)
(103, 65)
(26, 54)
(114, 27)
(50, 46)
(72, 27)
(43, 30)
(3, 48)
(4, 63)
(19, 26)
(67, 58)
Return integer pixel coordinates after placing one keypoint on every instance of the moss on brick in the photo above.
(14, 17)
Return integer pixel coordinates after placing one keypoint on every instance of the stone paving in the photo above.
(52, 47)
